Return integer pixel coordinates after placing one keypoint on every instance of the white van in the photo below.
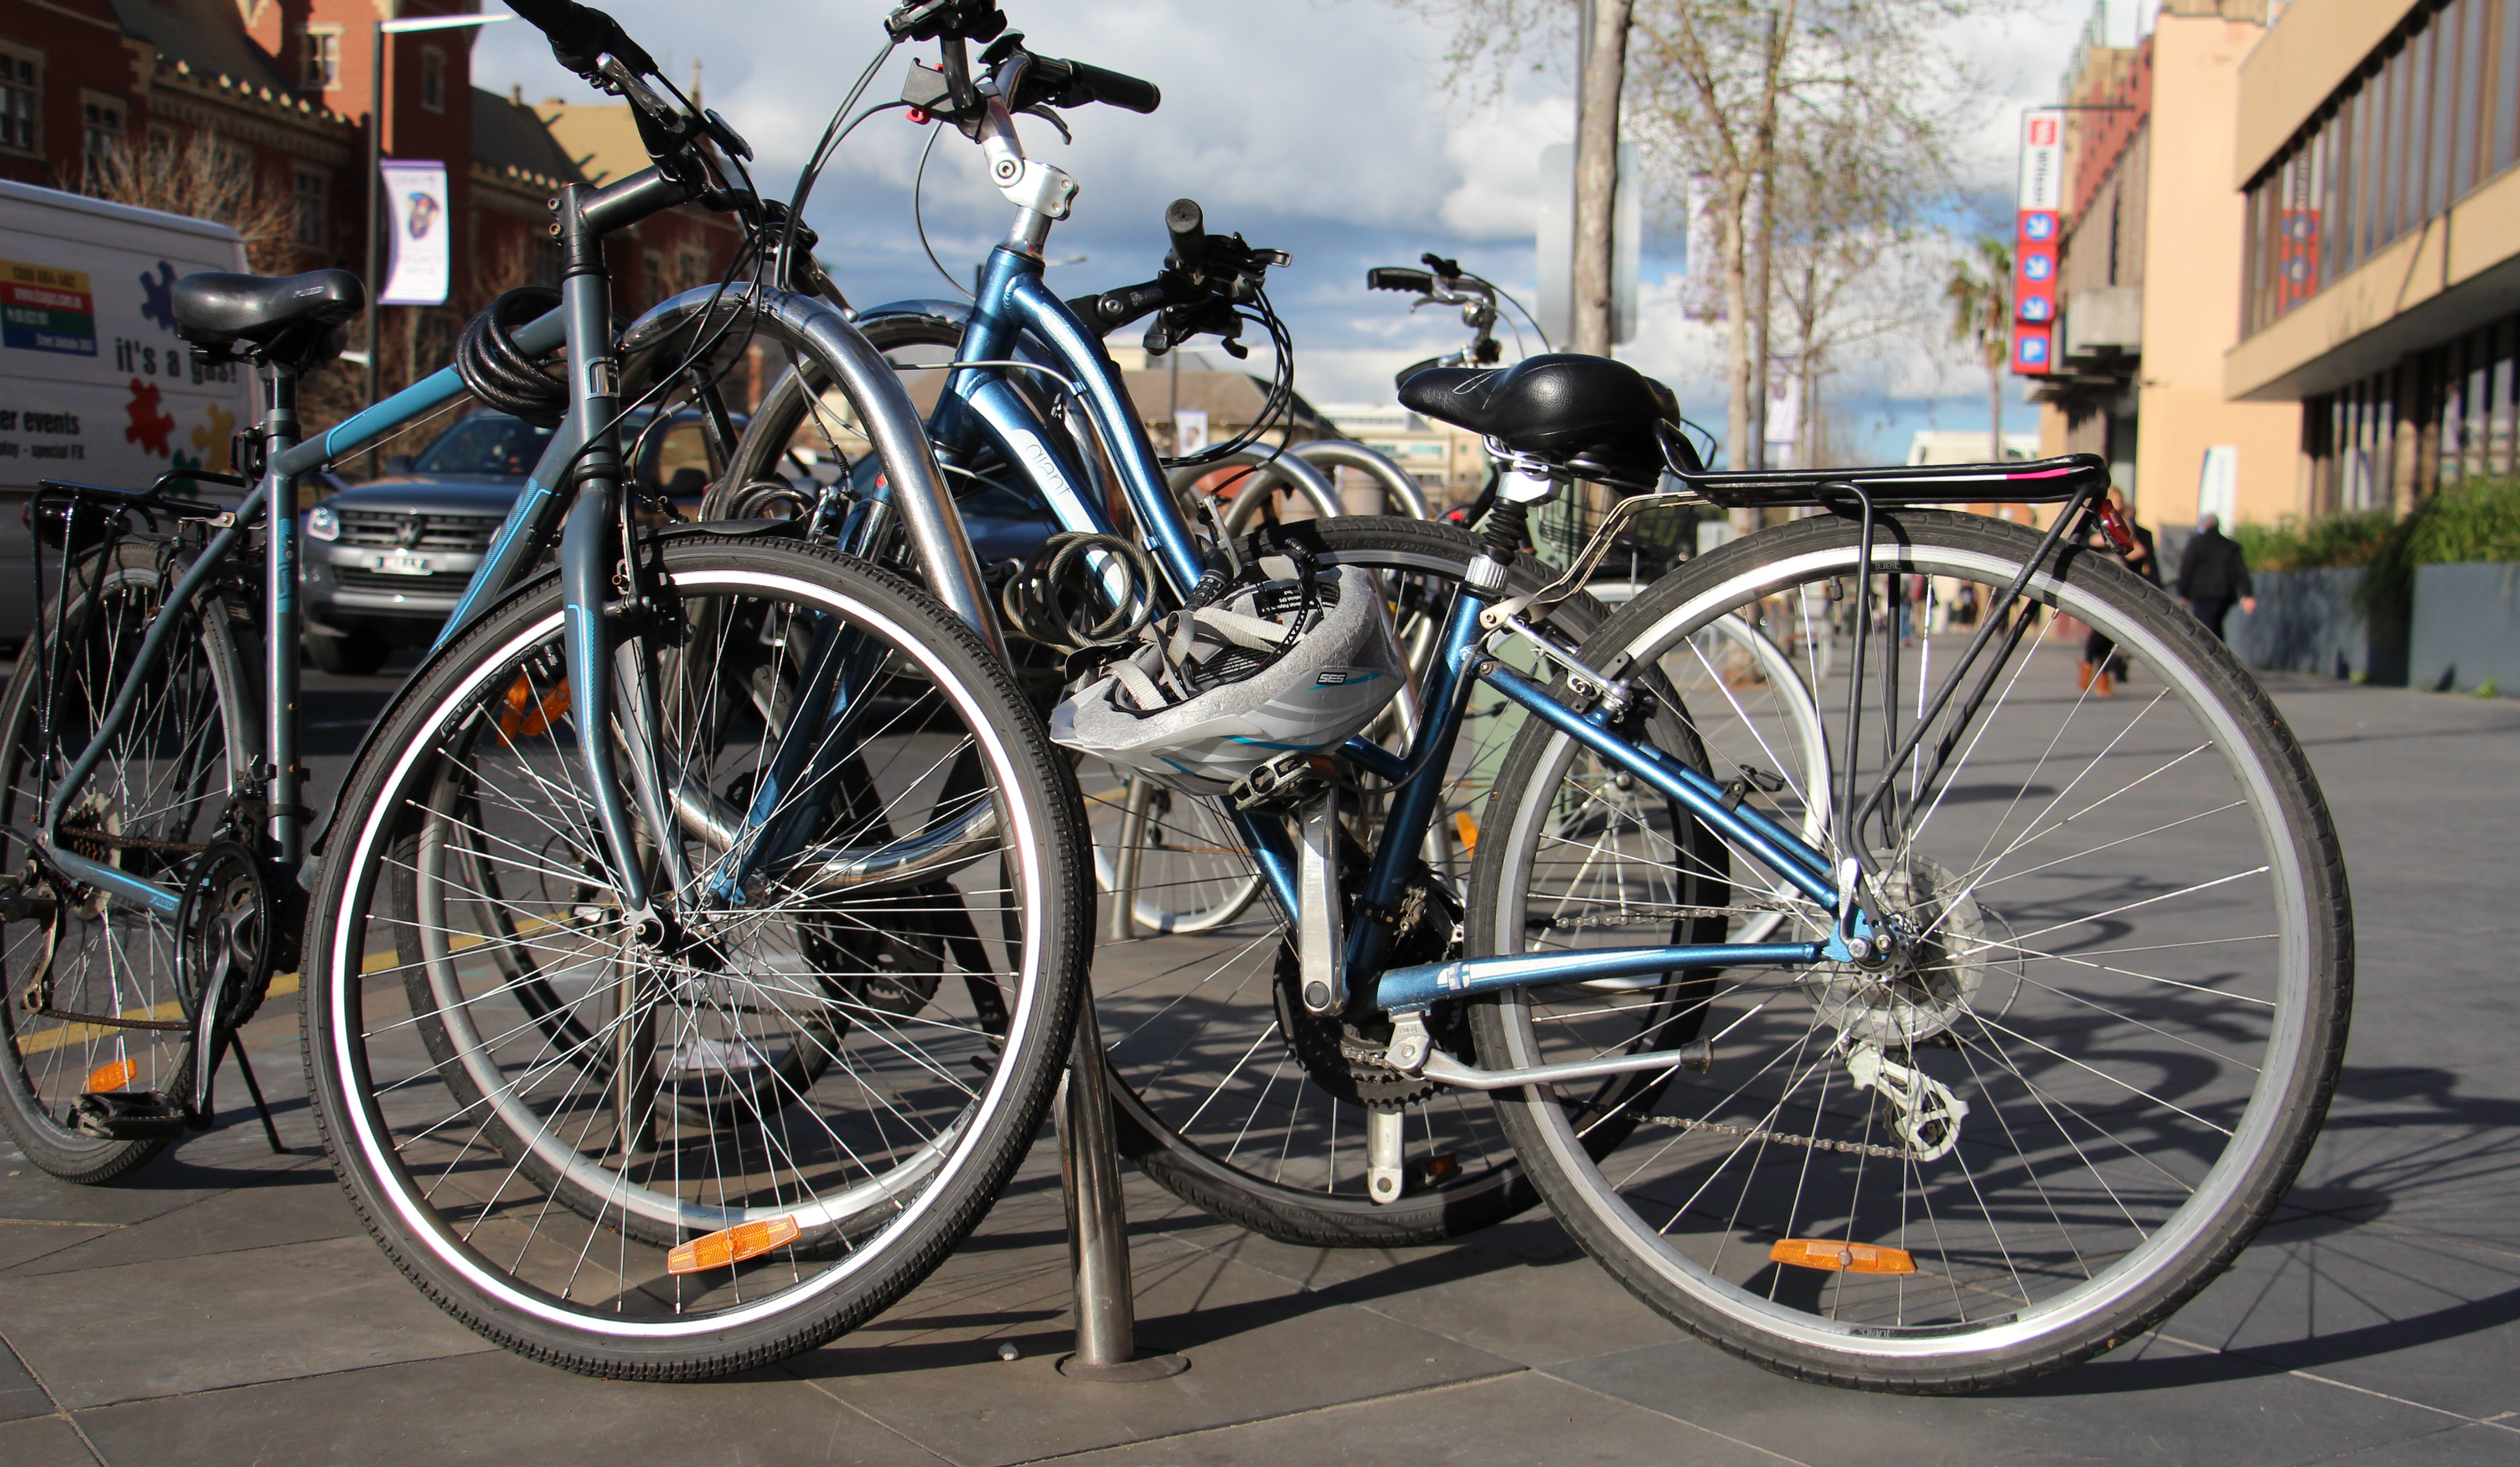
(94, 383)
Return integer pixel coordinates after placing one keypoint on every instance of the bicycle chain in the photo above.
(1659, 917)
(1809, 1143)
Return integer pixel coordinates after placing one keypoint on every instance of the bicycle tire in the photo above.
(1737, 1208)
(166, 782)
(489, 1170)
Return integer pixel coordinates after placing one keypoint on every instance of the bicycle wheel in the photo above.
(1231, 1095)
(2092, 1074)
(679, 1159)
(163, 788)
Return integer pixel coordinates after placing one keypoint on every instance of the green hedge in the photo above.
(2477, 521)
(2322, 544)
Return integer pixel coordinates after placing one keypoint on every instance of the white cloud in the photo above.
(1321, 126)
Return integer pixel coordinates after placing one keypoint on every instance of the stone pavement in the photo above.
(225, 1308)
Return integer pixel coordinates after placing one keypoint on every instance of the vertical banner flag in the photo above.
(419, 272)
(2034, 248)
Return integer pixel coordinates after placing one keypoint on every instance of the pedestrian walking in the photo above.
(2103, 669)
(2213, 574)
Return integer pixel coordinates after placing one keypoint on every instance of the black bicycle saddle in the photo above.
(287, 318)
(1560, 407)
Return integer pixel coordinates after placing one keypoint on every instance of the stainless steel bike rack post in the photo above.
(1097, 1225)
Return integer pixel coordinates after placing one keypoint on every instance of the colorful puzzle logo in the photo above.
(149, 426)
(216, 436)
(158, 295)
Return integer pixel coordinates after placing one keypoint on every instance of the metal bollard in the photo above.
(1097, 1225)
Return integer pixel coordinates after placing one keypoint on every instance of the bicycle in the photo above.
(2051, 995)
(697, 943)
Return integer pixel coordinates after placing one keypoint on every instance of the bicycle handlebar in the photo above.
(580, 33)
(1074, 84)
(1395, 278)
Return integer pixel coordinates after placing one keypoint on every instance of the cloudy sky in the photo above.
(1318, 126)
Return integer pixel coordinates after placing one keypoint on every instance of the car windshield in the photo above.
(487, 443)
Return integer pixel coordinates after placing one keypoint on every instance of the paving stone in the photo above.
(1258, 1345)
(2409, 1316)
(1513, 1421)
(21, 1395)
(494, 1408)
(2162, 1407)
(21, 1241)
(297, 1206)
(228, 1319)
(2460, 1446)
(46, 1442)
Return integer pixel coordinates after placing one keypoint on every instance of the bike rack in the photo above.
(1097, 1225)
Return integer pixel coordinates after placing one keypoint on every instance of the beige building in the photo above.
(2152, 273)
(1450, 462)
(2376, 151)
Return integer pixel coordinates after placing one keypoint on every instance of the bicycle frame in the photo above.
(1016, 310)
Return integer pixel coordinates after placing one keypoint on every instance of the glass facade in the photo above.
(2431, 114)
(2439, 416)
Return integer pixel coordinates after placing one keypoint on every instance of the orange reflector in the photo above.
(733, 1245)
(525, 718)
(113, 1077)
(1468, 829)
(1835, 1257)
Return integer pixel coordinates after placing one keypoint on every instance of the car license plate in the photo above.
(400, 562)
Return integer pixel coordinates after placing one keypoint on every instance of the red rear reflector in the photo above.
(113, 1077)
(733, 1245)
(1841, 1258)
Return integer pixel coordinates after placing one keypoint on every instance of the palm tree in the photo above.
(1980, 293)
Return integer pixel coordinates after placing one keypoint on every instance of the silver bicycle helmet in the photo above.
(1211, 694)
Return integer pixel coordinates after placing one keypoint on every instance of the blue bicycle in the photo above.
(696, 944)
(1951, 1045)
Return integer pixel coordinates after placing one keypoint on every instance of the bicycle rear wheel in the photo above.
(677, 1159)
(2093, 1073)
(163, 788)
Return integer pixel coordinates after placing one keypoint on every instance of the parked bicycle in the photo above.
(1954, 1049)
(696, 944)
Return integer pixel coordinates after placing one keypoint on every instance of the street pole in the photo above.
(376, 202)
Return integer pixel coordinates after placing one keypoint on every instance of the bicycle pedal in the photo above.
(125, 1116)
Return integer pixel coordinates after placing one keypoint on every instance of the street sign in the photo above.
(2039, 228)
(421, 272)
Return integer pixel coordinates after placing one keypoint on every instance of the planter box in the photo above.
(2468, 627)
(2305, 623)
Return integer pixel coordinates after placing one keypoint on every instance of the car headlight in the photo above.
(323, 524)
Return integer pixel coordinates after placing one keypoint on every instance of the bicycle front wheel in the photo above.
(2103, 1053)
(675, 1157)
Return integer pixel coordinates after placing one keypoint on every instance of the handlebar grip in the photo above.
(579, 34)
(1394, 278)
(1188, 224)
(1112, 89)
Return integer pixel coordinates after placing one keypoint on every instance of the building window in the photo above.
(100, 128)
(20, 73)
(309, 198)
(323, 68)
(433, 78)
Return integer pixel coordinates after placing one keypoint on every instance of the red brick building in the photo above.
(288, 81)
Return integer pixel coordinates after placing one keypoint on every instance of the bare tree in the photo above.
(205, 177)
(1980, 295)
(1597, 177)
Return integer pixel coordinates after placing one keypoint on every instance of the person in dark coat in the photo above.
(2213, 574)
(2101, 669)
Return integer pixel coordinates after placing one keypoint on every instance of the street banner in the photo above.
(2039, 224)
(420, 270)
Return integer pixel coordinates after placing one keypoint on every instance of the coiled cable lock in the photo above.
(499, 372)
(1050, 597)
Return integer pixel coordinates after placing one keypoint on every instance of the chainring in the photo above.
(223, 934)
(1343, 1055)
